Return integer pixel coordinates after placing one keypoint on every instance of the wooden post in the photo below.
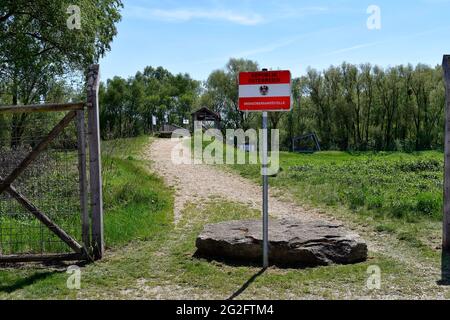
(95, 167)
(446, 222)
(82, 169)
(51, 107)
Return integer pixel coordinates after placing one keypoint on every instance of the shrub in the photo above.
(356, 198)
(428, 204)
(401, 208)
(420, 165)
(374, 201)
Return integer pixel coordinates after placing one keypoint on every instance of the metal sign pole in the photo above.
(264, 91)
(265, 206)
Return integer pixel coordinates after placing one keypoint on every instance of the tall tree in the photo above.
(222, 86)
(37, 44)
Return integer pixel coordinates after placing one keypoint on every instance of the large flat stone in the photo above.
(291, 242)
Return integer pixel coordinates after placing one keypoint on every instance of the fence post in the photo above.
(95, 167)
(82, 168)
(446, 222)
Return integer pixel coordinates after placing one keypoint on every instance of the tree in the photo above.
(371, 108)
(367, 87)
(128, 105)
(37, 46)
(222, 89)
(113, 106)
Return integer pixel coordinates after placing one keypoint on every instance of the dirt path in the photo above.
(197, 182)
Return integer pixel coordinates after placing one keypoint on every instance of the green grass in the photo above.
(165, 267)
(51, 184)
(149, 257)
(136, 203)
(390, 184)
(397, 193)
(219, 280)
(138, 207)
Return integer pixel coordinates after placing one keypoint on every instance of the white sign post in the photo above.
(265, 91)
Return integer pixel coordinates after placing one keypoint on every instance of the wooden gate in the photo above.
(50, 206)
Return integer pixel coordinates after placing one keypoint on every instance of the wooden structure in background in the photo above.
(167, 130)
(204, 119)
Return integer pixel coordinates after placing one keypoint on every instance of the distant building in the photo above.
(205, 119)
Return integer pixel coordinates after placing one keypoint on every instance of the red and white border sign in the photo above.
(265, 91)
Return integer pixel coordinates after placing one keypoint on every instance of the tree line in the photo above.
(43, 60)
(349, 107)
(127, 106)
(365, 107)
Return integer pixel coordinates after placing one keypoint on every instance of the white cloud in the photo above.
(184, 15)
(359, 46)
(270, 47)
(389, 40)
(253, 52)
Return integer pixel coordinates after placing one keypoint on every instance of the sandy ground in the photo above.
(201, 181)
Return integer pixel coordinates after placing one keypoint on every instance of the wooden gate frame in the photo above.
(91, 249)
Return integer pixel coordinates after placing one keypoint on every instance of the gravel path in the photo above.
(201, 181)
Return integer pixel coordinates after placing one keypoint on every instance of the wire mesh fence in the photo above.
(50, 182)
(51, 205)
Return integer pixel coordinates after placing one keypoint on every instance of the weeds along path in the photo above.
(194, 183)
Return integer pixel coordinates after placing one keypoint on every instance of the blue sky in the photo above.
(198, 37)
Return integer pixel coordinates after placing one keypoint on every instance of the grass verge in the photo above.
(160, 264)
(138, 207)
(164, 268)
(395, 193)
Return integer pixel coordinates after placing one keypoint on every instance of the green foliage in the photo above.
(137, 204)
(35, 30)
(222, 93)
(364, 107)
(350, 107)
(38, 49)
(127, 106)
(394, 185)
(429, 204)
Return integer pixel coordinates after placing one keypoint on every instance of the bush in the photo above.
(401, 208)
(356, 198)
(429, 204)
(398, 145)
(420, 165)
(374, 202)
